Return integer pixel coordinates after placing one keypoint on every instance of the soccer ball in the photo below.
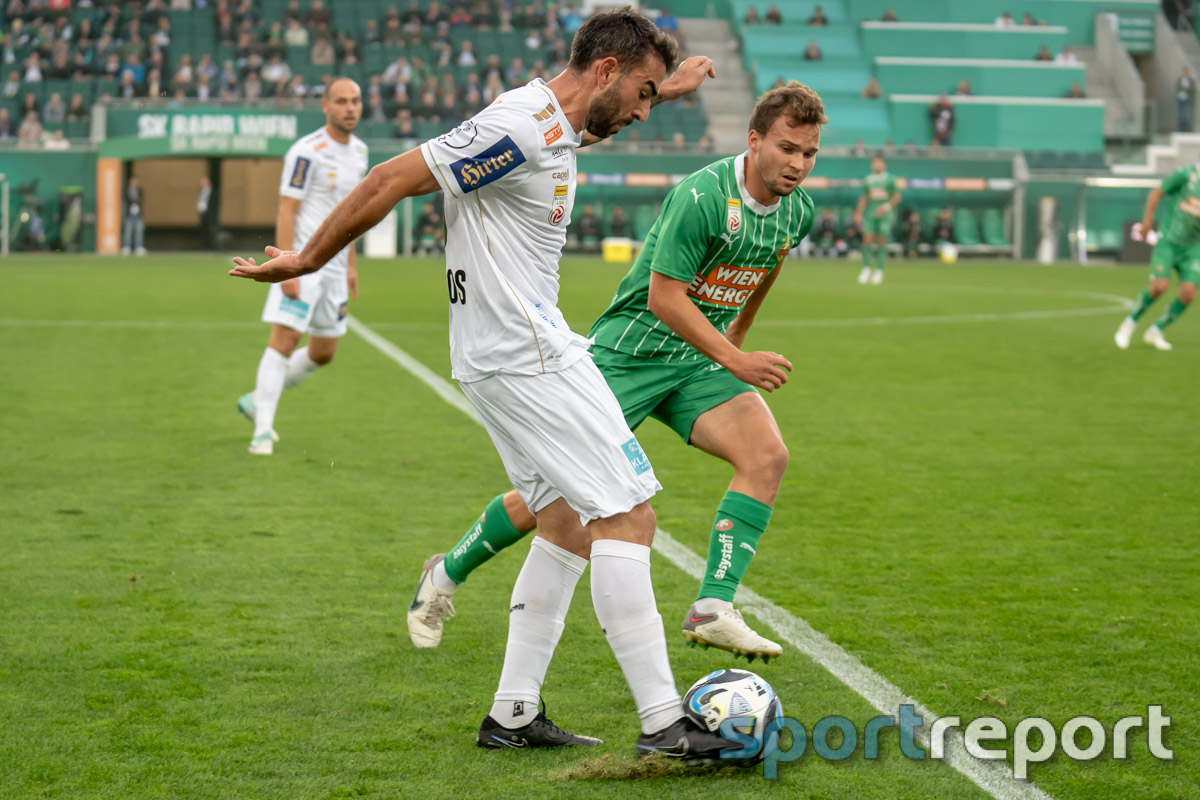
(733, 693)
(948, 253)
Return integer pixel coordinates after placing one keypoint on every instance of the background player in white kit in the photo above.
(318, 171)
(509, 178)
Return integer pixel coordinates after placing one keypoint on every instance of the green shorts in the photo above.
(674, 394)
(878, 225)
(1168, 256)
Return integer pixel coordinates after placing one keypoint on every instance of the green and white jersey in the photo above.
(878, 188)
(1181, 222)
(713, 235)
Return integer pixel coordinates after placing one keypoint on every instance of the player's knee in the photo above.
(642, 520)
(1187, 293)
(320, 358)
(771, 460)
(1157, 287)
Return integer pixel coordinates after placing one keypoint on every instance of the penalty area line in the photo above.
(993, 777)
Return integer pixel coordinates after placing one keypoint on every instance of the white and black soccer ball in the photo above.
(733, 693)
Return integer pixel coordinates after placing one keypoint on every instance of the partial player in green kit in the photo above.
(1177, 249)
(876, 216)
(669, 346)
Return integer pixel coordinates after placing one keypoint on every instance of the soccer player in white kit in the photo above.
(318, 171)
(509, 177)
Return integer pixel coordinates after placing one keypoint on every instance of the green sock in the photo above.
(739, 523)
(880, 255)
(866, 254)
(1143, 302)
(1172, 313)
(490, 534)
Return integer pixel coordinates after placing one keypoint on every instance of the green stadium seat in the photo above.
(966, 228)
(78, 129)
(993, 228)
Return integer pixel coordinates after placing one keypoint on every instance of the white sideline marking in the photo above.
(993, 777)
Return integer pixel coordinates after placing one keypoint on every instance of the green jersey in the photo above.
(713, 235)
(878, 188)
(1182, 188)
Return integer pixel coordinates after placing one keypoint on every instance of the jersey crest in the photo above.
(733, 215)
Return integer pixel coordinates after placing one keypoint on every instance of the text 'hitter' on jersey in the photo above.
(715, 236)
(509, 178)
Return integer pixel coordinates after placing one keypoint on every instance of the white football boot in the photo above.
(877, 277)
(1154, 336)
(864, 276)
(726, 630)
(246, 406)
(261, 446)
(430, 608)
(1124, 334)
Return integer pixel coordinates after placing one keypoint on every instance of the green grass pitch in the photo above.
(987, 503)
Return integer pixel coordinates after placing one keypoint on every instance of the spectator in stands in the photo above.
(252, 87)
(860, 149)
(1028, 19)
(618, 226)
(30, 133)
(943, 228)
(1076, 91)
(460, 17)
(60, 67)
(773, 16)
(185, 75)
(889, 16)
(704, 144)
(208, 68)
(941, 114)
(12, 86)
(751, 17)
(33, 68)
(1067, 56)
(56, 109)
(203, 88)
(852, 234)
(1044, 54)
(964, 88)
(1185, 91)
(824, 238)
(134, 66)
(295, 35)
(322, 54)
(297, 88)
(30, 103)
(813, 52)
(276, 70)
(818, 17)
(678, 142)
(318, 16)
(129, 88)
(402, 126)
(492, 88)
(1005, 20)
(347, 48)
(872, 91)
(6, 131)
(589, 229)
(56, 141)
(910, 232)
(516, 73)
(135, 224)
(429, 231)
(161, 38)
(466, 55)
(78, 111)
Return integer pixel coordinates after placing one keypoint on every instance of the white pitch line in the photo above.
(990, 776)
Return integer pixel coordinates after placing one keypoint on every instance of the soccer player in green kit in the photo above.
(669, 346)
(876, 216)
(1177, 249)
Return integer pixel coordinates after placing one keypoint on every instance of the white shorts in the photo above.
(562, 434)
(321, 309)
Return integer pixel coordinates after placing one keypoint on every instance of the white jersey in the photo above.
(319, 171)
(509, 178)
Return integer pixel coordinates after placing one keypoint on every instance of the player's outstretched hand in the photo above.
(761, 369)
(688, 77)
(281, 266)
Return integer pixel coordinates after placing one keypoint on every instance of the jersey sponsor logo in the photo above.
(560, 191)
(560, 153)
(558, 209)
(343, 310)
(877, 193)
(321, 146)
(733, 215)
(637, 458)
(1191, 206)
(290, 305)
(492, 164)
(727, 285)
(462, 136)
(726, 562)
(553, 135)
(561, 176)
(300, 173)
(545, 114)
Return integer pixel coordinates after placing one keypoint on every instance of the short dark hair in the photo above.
(627, 36)
(801, 104)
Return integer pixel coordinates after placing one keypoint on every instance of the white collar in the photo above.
(739, 171)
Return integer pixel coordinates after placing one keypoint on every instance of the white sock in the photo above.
(624, 602)
(441, 580)
(272, 370)
(299, 367)
(711, 605)
(540, 600)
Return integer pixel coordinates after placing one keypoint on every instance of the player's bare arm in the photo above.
(285, 232)
(406, 175)
(890, 206)
(860, 208)
(352, 273)
(1152, 201)
(668, 300)
(737, 330)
